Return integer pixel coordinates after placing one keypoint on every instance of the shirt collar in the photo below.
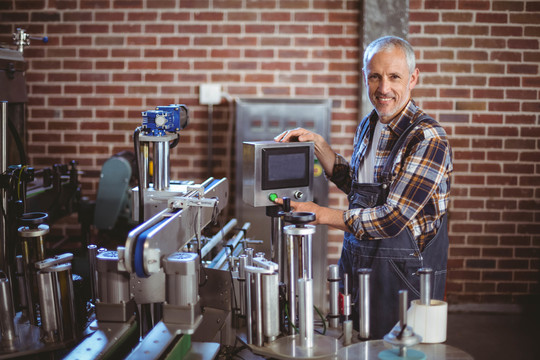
(403, 120)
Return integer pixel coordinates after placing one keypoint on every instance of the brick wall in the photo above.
(480, 77)
(107, 61)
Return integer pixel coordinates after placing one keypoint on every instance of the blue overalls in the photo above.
(394, 262)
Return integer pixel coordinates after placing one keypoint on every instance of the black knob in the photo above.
(286, 204)
(299, 218)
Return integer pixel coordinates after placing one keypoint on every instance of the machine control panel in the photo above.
(271, 170)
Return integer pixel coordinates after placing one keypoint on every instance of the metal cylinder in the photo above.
(7, 325)
(249, 314)
(270, 305)
(258, 309)
(425, 285)
(305, 306)
(113, 285)
(333, 279)
(276, 251)
(144, 163)
(346, 297)
(21, 284)
(33, 250)
(347, 332)
(182, 278)
(161, 165)
(307, 259)
(249, 252)
(242, 262)
(92, 262)
(298, 236)
(3, 168)
(403, 308)
(48, 308)
(292, 272)
(364, 298)
(57, 303)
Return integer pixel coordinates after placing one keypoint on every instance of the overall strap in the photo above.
(387, 170)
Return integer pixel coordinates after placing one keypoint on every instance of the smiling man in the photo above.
(397, 183)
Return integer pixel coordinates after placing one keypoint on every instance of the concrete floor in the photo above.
(495, 336)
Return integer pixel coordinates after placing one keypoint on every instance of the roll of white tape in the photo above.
(428, 321)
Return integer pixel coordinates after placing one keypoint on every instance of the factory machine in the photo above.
(178, 290)
(184, 284)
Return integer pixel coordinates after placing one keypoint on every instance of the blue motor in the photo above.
(171, 118)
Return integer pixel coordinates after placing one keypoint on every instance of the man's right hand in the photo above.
(323, 151)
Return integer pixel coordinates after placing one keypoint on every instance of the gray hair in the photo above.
(388, 43)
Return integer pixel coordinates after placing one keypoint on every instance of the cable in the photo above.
(136, 147)
(322, 318)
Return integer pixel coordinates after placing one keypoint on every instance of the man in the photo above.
(396, 221)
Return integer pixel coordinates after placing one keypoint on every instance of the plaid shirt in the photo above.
(420, 188)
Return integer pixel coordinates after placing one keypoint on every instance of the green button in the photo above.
(272, 197)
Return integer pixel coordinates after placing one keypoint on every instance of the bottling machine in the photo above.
(184, 284)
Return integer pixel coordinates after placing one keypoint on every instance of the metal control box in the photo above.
(271, 169)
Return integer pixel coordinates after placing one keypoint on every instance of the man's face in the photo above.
(389, 82)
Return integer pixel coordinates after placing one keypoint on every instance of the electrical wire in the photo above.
(322, 318)
(136, 149)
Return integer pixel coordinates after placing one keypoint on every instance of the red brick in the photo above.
(492, 17)
(208, 16)
(518, 216)
(504, 81)
(440, 4)
(473, 30)
(471, 80)
(141, 40)
(142, 16)
(507, 5)
(513, 56)
(526, 44)
(493, 43)
(502, 180)
(523, 69)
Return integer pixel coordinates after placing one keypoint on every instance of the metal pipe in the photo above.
(3, 168)
(161, 165)
(333, 279)
(346, 297)
(216, 239)
(7, 324)
(48, 305)
(270, 298)
(21, 282)
(249, 253)
(258, 310)
(291, 257)
(92, 261)
(307, 260)
(347, 322)
(242, 262)
(403, 318)
(249, 318)
(403, 308)
(425, 285)
(364, 295)
(220, 258)
(144, 165)
(305, 306)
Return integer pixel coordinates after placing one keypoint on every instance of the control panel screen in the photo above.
(285, 168)
(271, 169)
